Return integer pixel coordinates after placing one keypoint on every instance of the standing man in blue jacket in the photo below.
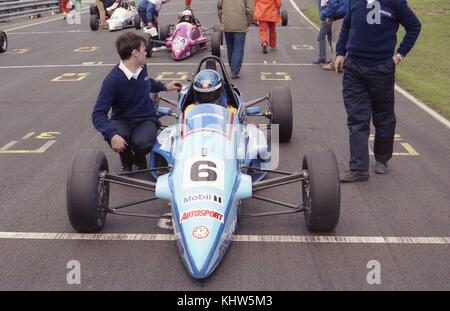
(335, 13)
(366, 53)
(324, 32)
(131, 131)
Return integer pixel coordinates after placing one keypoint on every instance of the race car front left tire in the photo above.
(87, 196)
(149, 46)
(94, 22)
(93, 10)
(215, 44)
(3, 42)
(280, 104)
(137, 21)
(164, 32)
(321, 190)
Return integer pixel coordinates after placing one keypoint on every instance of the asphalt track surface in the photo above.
(402, 220)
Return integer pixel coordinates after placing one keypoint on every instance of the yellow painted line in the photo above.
(28, 135)
(5, 149)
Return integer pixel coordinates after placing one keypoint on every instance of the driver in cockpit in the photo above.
(209, 89)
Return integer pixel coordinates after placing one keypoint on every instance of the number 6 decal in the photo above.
(203, 171)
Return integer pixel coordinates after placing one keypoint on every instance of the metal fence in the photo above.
(11, 9)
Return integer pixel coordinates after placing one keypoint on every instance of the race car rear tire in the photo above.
(324, 199)
(215, 44)
(94, 23)
(137, 21)
(284, 17)
(164, 32)
(149, 46)
(3, 42)
(87, 198)
(93, 10)
(280, 103)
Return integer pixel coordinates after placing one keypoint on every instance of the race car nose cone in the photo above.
(177, 53)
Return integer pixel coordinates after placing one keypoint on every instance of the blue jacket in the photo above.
(337, 9)
(323, 9)
(374, 43)
(127, 99)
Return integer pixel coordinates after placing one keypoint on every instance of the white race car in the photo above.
(125, 16)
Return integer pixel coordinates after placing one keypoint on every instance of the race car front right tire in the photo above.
(87, 196)
(280, 104)
(3, 42)
(94, 22)
(215, 44)
(321, 190)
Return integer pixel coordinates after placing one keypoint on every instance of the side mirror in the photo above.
(253, 111)
(164, 111)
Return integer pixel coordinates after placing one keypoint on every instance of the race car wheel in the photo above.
(94, 23)
(149, 46)
(321, 190)
(218, 28)
(280, 104)
(284, 17)
(137, 21)
(215, 44)
(3, 42)
(93, 10)
(87, 195)
(164, 32)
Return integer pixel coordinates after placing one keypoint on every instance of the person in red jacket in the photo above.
(267, 14)
(187, 3)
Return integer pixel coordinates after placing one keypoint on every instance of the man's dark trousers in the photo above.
(140, 136)
(368, 92)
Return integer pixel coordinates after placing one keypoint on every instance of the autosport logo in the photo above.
(200, 232)
(202, 197)
(201, 213)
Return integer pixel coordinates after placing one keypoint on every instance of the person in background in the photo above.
(324, 33)
(235, 16)
(101, 6)
(366, 52)
(149, 11)
(132, 128)
(267, 13)
(187, 3)
(335, 13)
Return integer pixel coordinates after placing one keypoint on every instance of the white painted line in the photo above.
(60, 18)
(402, 91)
(237, 238)
(47, 32)
(92, 64)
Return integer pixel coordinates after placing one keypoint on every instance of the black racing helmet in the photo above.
(208, 86)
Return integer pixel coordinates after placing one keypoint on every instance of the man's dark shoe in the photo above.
(319, 62)
(381, 168)
(140, 161)
(264, 48)
(126, 158)
(352, 176)
(235, 76)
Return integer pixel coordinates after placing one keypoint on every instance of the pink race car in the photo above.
(185, 38)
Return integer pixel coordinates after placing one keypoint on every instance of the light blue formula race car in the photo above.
(205, 166)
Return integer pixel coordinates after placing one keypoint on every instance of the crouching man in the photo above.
(132, 128)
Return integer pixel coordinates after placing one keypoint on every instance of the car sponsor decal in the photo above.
(200, 232)
(201, 213)
(202, 197)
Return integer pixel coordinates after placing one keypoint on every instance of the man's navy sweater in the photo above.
(368, 42)
(128, 99)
